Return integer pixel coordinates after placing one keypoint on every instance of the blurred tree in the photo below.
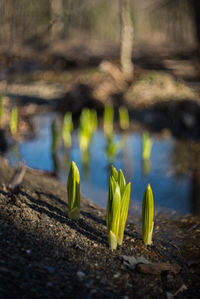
(126, 40)
(57, 19)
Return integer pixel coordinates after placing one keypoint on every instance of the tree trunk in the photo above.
(57, 24)
(126, 40)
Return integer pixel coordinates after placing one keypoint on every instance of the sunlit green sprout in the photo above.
(1, 110)
(14, 120)
(147, 216)
(146, 146)
(93, 120)
(87, 126)
(124, 118)
(73, 192)
(108, 120)
(55, 135)
(67, 129)
(117, 207)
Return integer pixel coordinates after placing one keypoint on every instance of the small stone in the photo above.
(116, 275)
(80, 274)
(169, 295)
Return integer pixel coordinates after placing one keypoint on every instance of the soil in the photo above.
(44, 254)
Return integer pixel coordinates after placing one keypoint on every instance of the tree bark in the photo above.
(57, 24)
(126, 40)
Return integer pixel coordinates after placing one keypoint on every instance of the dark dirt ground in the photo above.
(44, 254)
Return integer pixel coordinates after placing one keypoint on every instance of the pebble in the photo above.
(80, 274)
(169, 295)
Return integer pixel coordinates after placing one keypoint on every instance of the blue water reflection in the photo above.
(170, 192)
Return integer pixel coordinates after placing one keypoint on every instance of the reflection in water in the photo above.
(85, 161)
(171, 190)
(146, 146)
(146, 167)
(67, 160)
(55, 135)
(186, 159)
(112, 147)
(126, 156)
(56, 162)
(16, 154)
(67, 128)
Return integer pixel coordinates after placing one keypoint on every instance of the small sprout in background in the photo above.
(55, 136)
(117, 207)
(124, 118)
(93, 120)
(87, 126)
(147, 216)
(73, 192)
(1, 110)
(85, 161)
(67, 129)
(146, 146)
(108, 120)
(14, 120)
(112, 147)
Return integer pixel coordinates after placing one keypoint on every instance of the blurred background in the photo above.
(132, 65)
(156, 22)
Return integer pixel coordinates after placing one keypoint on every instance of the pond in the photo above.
(172, 190)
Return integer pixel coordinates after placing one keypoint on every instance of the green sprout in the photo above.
(147, 216)
(73, 192)
(108, 120)
(146, 146)
(87, 127)
(117, 207)
(123, 118)
(67, 129)
(14, 120)
(55, 136)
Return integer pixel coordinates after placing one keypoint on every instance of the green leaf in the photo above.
(114, 173)
(146, 146)
(121, 181)
(14, 120)
(73, 188)
(124, 212)
(112, 240)
(147, 216)
(123, 117)
(112, 187)
(67, 129)
(115, 211)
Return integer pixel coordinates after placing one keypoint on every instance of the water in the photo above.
(172, 192)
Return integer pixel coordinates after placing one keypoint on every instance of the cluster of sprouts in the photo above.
(117, 206)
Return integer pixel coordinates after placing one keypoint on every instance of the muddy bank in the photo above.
(44, 254)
